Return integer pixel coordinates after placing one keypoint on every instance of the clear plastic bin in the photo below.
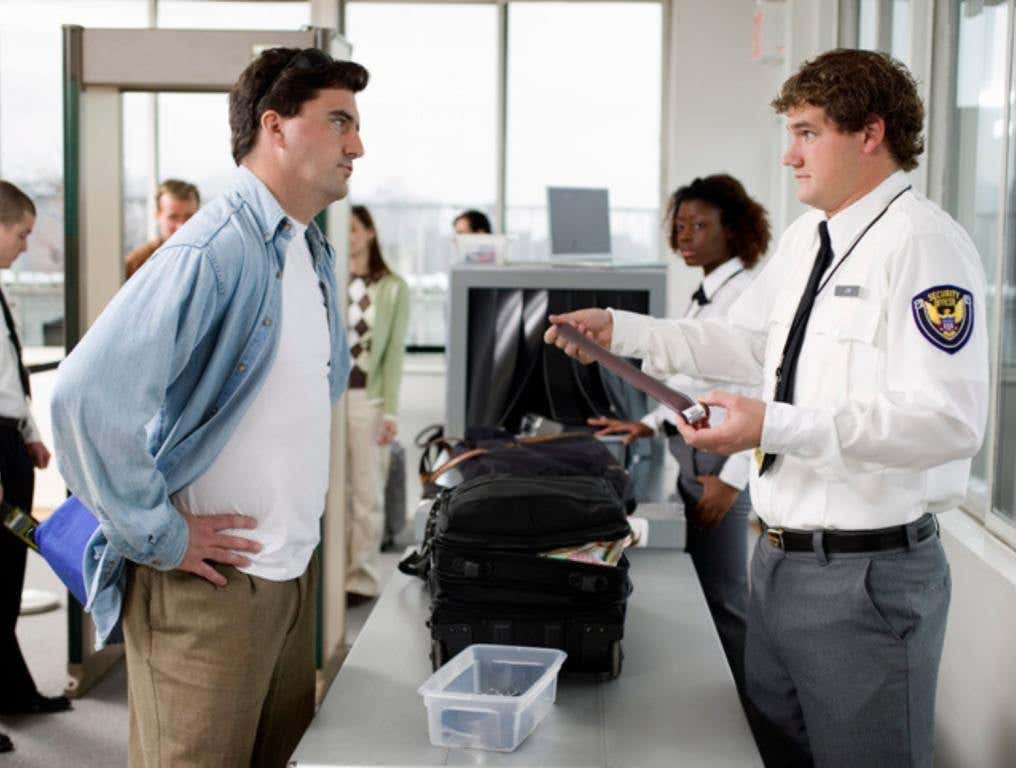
(491, 696)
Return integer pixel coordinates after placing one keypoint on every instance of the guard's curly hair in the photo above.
(745, 219)
(852, 86)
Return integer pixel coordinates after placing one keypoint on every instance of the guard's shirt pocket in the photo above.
(848, 362)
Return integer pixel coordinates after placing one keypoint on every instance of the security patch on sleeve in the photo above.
(945, 316)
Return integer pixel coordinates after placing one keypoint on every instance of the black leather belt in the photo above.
(853, 541)
(9, 423)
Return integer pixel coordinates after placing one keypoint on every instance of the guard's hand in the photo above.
(740, 430)
(596, 324)
(632, 430)
(716, 500)
(389, 428)
(207, 543)
(39, 454)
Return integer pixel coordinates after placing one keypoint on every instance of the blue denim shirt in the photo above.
(152, 393)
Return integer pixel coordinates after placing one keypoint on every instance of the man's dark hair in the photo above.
(478, 221)
(14, 204)
(282, 79)
(853, 86)
(744, 219)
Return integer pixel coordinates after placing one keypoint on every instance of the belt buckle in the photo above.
(775, 537)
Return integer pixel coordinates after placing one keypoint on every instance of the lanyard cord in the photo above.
(859, 238)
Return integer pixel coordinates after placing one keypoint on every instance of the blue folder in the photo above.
(62, 539)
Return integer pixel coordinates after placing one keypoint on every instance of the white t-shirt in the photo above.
(275, 466)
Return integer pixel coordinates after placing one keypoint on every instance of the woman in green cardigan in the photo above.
(376, 321)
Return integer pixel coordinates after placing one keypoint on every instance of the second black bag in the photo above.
(492, 580)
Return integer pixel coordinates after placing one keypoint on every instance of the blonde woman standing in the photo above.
(376, 320)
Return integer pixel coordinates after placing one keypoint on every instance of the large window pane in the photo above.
(585, 114)
(867, 25)
(1005, 478)
(902, 31)
(975, 198)
(429, 121)
(219, 14)
(31, 149)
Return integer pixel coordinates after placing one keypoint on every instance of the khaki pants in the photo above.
(218, 676)
(367, 468)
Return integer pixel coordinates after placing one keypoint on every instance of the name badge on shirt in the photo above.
(850, 291)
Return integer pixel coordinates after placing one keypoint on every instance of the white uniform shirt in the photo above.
(888, 407)
(13, 402)
(275, 465)
(721, 286)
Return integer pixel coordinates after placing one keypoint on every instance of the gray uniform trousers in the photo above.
(842, 654)
(720, 554)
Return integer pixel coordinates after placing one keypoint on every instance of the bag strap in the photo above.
(429, 477)
(417, 562)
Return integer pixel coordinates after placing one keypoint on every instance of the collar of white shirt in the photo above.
(716, 278)
(847, 225)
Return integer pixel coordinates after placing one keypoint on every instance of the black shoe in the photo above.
(36, 704)
(6, 745)
(354, 599)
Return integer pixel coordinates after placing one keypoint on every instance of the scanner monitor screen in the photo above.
(579, 222)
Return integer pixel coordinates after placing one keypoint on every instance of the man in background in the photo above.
(175, 202)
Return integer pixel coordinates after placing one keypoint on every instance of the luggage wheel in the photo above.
(616, 658)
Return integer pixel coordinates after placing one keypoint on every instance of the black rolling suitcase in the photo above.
(490, 583)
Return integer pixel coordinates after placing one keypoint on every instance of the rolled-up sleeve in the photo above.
(112, 385)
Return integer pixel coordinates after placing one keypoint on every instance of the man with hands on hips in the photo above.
(194, 419)
(867, 332)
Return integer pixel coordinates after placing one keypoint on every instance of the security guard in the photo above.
(867, 330)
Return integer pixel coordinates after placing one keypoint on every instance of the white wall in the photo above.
(718, 114)
(975, 712)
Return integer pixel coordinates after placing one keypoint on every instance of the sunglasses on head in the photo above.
(307, 59)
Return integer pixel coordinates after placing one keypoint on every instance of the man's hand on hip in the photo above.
(597, 324)
(206, 543)
(740, 430)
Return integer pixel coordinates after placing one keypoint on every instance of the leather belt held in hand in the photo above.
(693, 412)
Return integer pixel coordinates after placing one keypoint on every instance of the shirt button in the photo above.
(278, 275)
(267, 321)
(241, 368)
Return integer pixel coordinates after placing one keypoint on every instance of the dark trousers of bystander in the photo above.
(18, 478)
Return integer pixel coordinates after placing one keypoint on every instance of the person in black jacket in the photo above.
(21, 451)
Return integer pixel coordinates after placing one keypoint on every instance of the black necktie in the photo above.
(795, 339)
(22, 373)
(699, 297)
